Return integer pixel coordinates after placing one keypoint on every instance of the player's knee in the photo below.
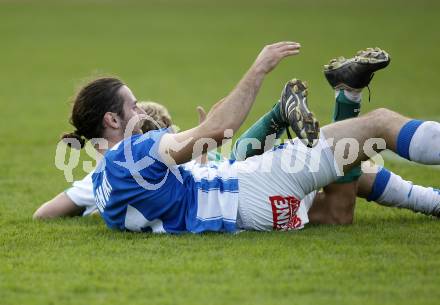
(381, 114)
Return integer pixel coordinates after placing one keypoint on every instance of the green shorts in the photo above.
(352, 175)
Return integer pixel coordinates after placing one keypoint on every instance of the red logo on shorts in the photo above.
(284, 212)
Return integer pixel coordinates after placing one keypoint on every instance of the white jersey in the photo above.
(81, 193)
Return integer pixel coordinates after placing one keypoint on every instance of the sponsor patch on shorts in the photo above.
(284, 210)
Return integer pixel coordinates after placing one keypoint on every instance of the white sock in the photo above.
(353, 96)
(420, 142)
(391, 190)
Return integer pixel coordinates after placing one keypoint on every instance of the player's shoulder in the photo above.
(138, 141)
(129, 151)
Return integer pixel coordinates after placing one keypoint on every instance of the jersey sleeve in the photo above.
(146, 154)
(81, 193)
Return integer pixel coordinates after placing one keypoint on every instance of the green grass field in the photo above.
(188, 53)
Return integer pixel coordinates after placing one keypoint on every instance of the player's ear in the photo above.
(111, 120)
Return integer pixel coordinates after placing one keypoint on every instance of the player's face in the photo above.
(131, 109)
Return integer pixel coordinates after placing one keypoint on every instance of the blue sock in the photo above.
(379, 185)
(419, 141)
(391, 190)
(405, 136)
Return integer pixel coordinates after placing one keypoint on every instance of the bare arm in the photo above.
(202, 117)
(229, 113)
(59, 206)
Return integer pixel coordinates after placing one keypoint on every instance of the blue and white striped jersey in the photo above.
(134, 190)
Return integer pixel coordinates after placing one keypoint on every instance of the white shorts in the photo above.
(277, 188)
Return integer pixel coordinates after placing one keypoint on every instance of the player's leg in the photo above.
(388, 189)
(347, 106)
(290, 110)
(414, 140)
(335, 204)
(348, 77)
(383, 187)
(261, 136)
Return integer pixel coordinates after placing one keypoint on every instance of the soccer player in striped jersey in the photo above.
(366, 186)
(336, 201)
(150, 183)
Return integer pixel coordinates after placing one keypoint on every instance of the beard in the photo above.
(132, 126)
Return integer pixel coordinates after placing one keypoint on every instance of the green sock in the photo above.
(346, 109)
(270, 124)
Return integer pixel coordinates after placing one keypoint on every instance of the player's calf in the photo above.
(389, 189)
(334, 205)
